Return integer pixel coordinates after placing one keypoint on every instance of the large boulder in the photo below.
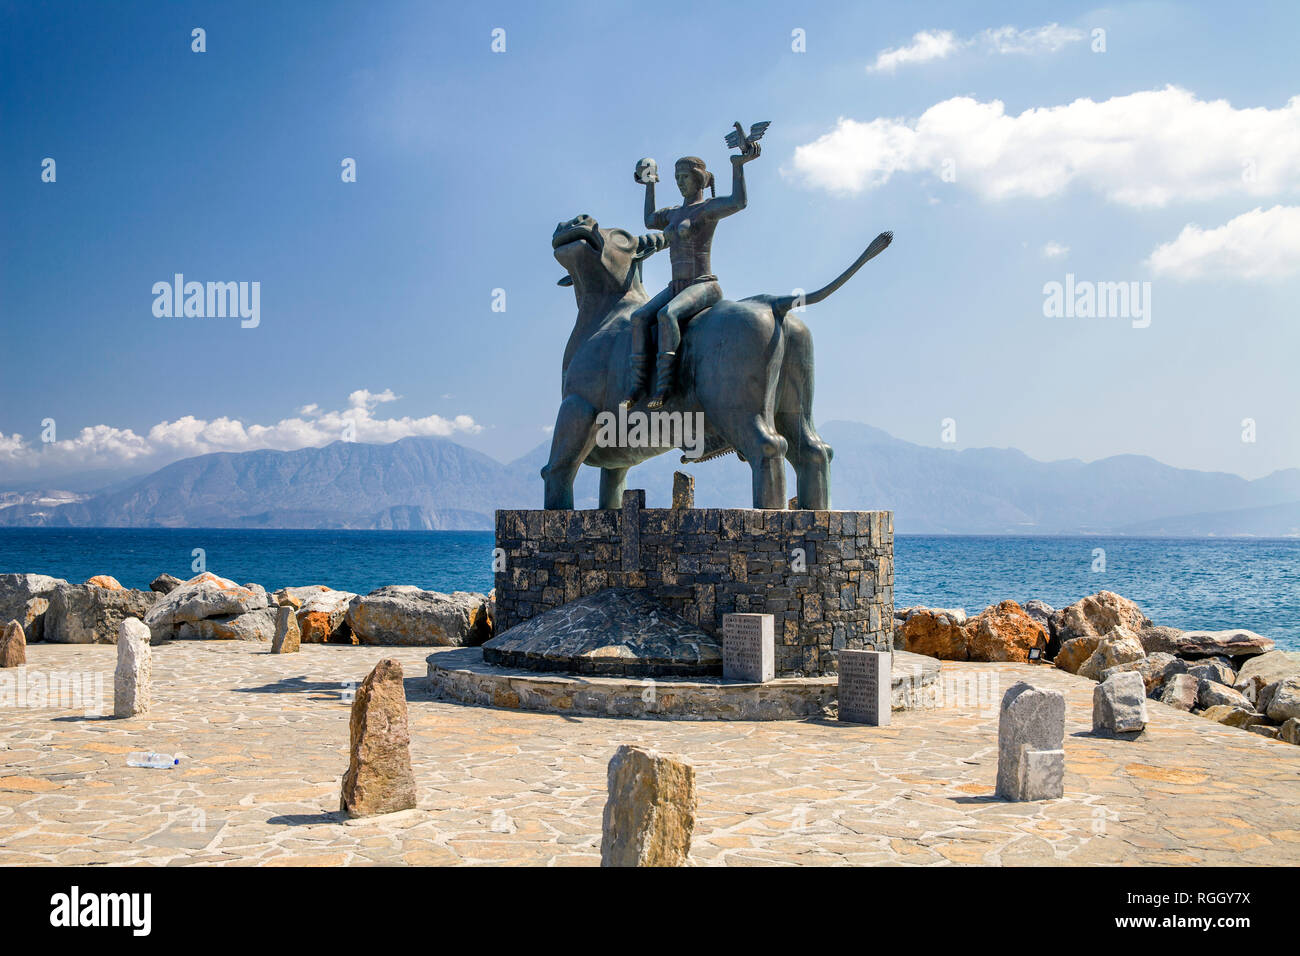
(1119, 646)
(1233, 643)
(404, 615)
(1004, 632)
(936, 633)
(1213, 669)
(1154, 669)
(1232, 716)
(17, 601)
(165, 583)
(323, 618)
(104, 581)
(1281, 699)
(1180, 691)
(1074, 652)
(256, 625)
(1097, 615)
(92, 614)
(1256, 673)
(1289, 732)
(1212, 694)
(200, 598)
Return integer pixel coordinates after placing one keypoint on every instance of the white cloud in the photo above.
(1055, 250)
(941, 44)
(105, 446)
(1260, 244)
(926, 45)
(1141, 149)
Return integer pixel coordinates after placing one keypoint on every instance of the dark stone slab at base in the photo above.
(617, 632)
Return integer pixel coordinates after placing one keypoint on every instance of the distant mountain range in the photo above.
(430, 483)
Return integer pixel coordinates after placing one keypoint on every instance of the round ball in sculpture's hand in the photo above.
(647, 171)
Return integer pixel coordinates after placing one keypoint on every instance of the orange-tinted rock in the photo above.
(13, 645)
(105, 581)
(936, 634)
(1004, 632)
(323, 618)
(379, 777)
(1075, 651)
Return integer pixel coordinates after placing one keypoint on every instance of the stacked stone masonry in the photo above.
(826, 576)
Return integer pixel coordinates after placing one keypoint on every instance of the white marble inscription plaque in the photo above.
(748, 647)
(865, 695)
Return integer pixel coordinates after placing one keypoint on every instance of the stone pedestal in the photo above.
(826, 577)
(865, 687)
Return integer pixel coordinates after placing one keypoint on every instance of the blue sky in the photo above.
(376, 296)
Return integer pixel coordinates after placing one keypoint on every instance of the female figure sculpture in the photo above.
(689, 230)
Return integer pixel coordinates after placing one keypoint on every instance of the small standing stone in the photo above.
(650, 811)
(683, 490)
(1119, 704)
(133, 679)
(1031, 742)
(749, 647)
(287, 636)
(865, 687)
(379, 777)
(793, 504)
(13, 646)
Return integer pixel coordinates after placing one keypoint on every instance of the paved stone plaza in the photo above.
(264, 740)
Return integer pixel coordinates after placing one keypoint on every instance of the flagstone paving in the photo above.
(264, 741)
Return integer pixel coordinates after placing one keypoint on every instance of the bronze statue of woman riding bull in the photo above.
(745, 368)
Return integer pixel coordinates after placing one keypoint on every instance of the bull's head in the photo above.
(601, 261)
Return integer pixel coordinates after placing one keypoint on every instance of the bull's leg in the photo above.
(612, 483)
(574, 437)
(808, 454)
(765, 450)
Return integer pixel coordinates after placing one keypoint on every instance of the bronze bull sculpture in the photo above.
(746, 367)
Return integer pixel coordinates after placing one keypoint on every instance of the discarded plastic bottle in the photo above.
(152, 760)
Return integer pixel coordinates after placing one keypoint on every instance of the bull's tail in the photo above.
(782, 304)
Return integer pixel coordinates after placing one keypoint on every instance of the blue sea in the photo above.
(1188, 583)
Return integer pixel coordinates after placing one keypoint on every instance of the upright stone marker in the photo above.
(288, 637)
(683, 490)
(748, 647)
(1031, 741)
(650, 812)
(866, 695)
(1119, 704)
(379, 777)
(630, 528)
(133, 678)
(13, 646)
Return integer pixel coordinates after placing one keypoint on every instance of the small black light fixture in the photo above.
(1035, 655)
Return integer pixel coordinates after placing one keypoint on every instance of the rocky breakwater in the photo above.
(1234, 676)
